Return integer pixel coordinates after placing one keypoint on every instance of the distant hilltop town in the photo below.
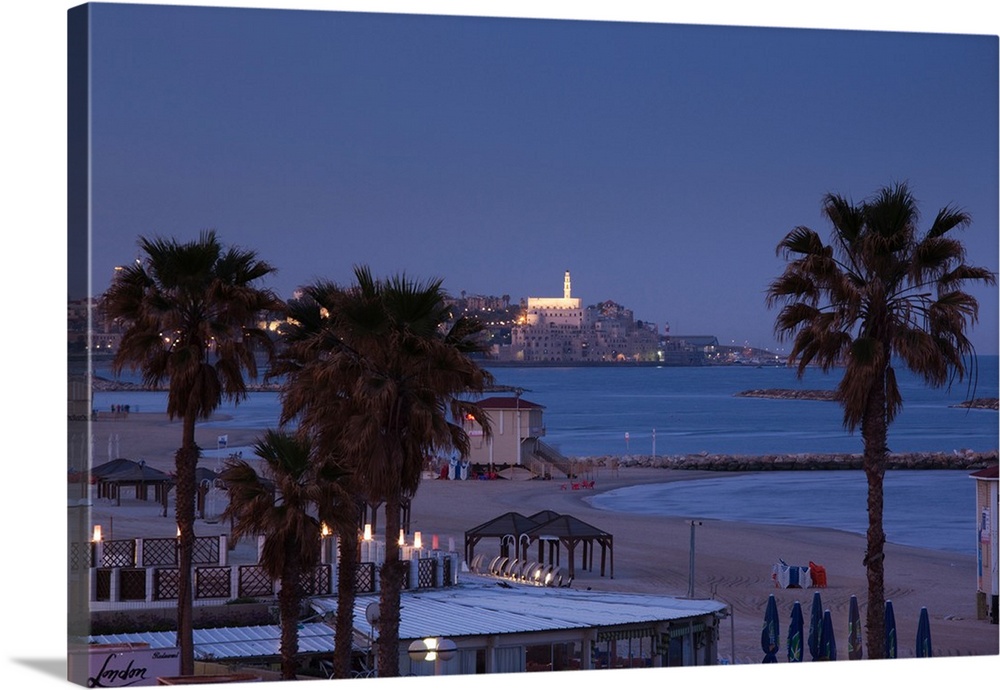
(552, 331)
(561, 331)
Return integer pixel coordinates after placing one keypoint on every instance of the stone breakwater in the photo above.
(956, 460)
(788, 394)
(831, 396)
(981, 404)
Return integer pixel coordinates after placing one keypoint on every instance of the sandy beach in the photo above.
(651, 554)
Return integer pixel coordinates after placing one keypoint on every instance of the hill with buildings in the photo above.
(535, 331)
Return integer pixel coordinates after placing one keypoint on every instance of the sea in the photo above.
(596, 411)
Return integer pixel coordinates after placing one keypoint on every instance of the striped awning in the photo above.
(682, 629)
(625, 634)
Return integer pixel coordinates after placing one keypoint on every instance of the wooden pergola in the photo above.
(568, 531)
(510, 528)
(548, 528)
(123, 473)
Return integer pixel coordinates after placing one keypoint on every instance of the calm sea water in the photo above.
(680, 410)
(934, 510)
(589, 411)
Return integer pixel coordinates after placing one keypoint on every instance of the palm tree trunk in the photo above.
(186, 461)
(288, 606)
(391, 586)
(874, 431)
(346, 595)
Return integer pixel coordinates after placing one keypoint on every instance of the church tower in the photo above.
(566, 290)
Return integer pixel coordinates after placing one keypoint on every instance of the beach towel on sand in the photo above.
(791, 576)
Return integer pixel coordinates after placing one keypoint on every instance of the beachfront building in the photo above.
(987, 507)
(516, 426)
(514, 629)
(521, 628)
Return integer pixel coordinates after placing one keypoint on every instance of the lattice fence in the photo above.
(316, 582)
(206, 550)
(254, 582)
(119, 554)
(81, 555)
(426, 573)
(102, 580)
(132, 584)
(364, 578)
(212, 583)
(159, 551)
(166, 583)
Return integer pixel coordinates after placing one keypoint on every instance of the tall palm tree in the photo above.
(879, 294)
(288, 504)
(387, 378)
(189, 312)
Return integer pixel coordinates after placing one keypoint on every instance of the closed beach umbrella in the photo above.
(854, 647)
(827, 642)
(924, 634)
(769, 634)
(890, 631)
(815, 626)
(795, 627)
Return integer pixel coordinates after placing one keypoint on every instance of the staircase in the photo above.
(551, 459)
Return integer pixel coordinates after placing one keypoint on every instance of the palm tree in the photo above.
(385, 373)
(880, 294)
(286, 505)
(189, 313)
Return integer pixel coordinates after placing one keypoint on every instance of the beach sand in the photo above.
(733, 561)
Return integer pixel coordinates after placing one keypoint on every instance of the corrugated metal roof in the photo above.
(476, 607)
(480, 607)
(234, 643)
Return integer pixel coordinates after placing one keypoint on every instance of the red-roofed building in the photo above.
(516, 426)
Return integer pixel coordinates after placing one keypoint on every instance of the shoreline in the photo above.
(651, 553)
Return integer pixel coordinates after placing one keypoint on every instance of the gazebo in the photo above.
(545, 527)
(569, 531)
(511, 528)
(112, 476)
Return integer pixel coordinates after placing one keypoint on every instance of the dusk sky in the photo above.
(661, 164)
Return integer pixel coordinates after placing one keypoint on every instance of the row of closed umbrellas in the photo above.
(821, 641)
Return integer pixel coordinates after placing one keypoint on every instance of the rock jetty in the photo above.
(980, 404)
(956, 460)
(788, 394)
(831, 396)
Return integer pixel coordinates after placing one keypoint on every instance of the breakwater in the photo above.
(956, 460)
(831, 396)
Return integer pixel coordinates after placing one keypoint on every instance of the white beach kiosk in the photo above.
(987, 552)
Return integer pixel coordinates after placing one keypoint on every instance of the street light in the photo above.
(435, 649)
(693, 523)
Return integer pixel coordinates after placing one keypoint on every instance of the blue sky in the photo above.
(660, 164)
